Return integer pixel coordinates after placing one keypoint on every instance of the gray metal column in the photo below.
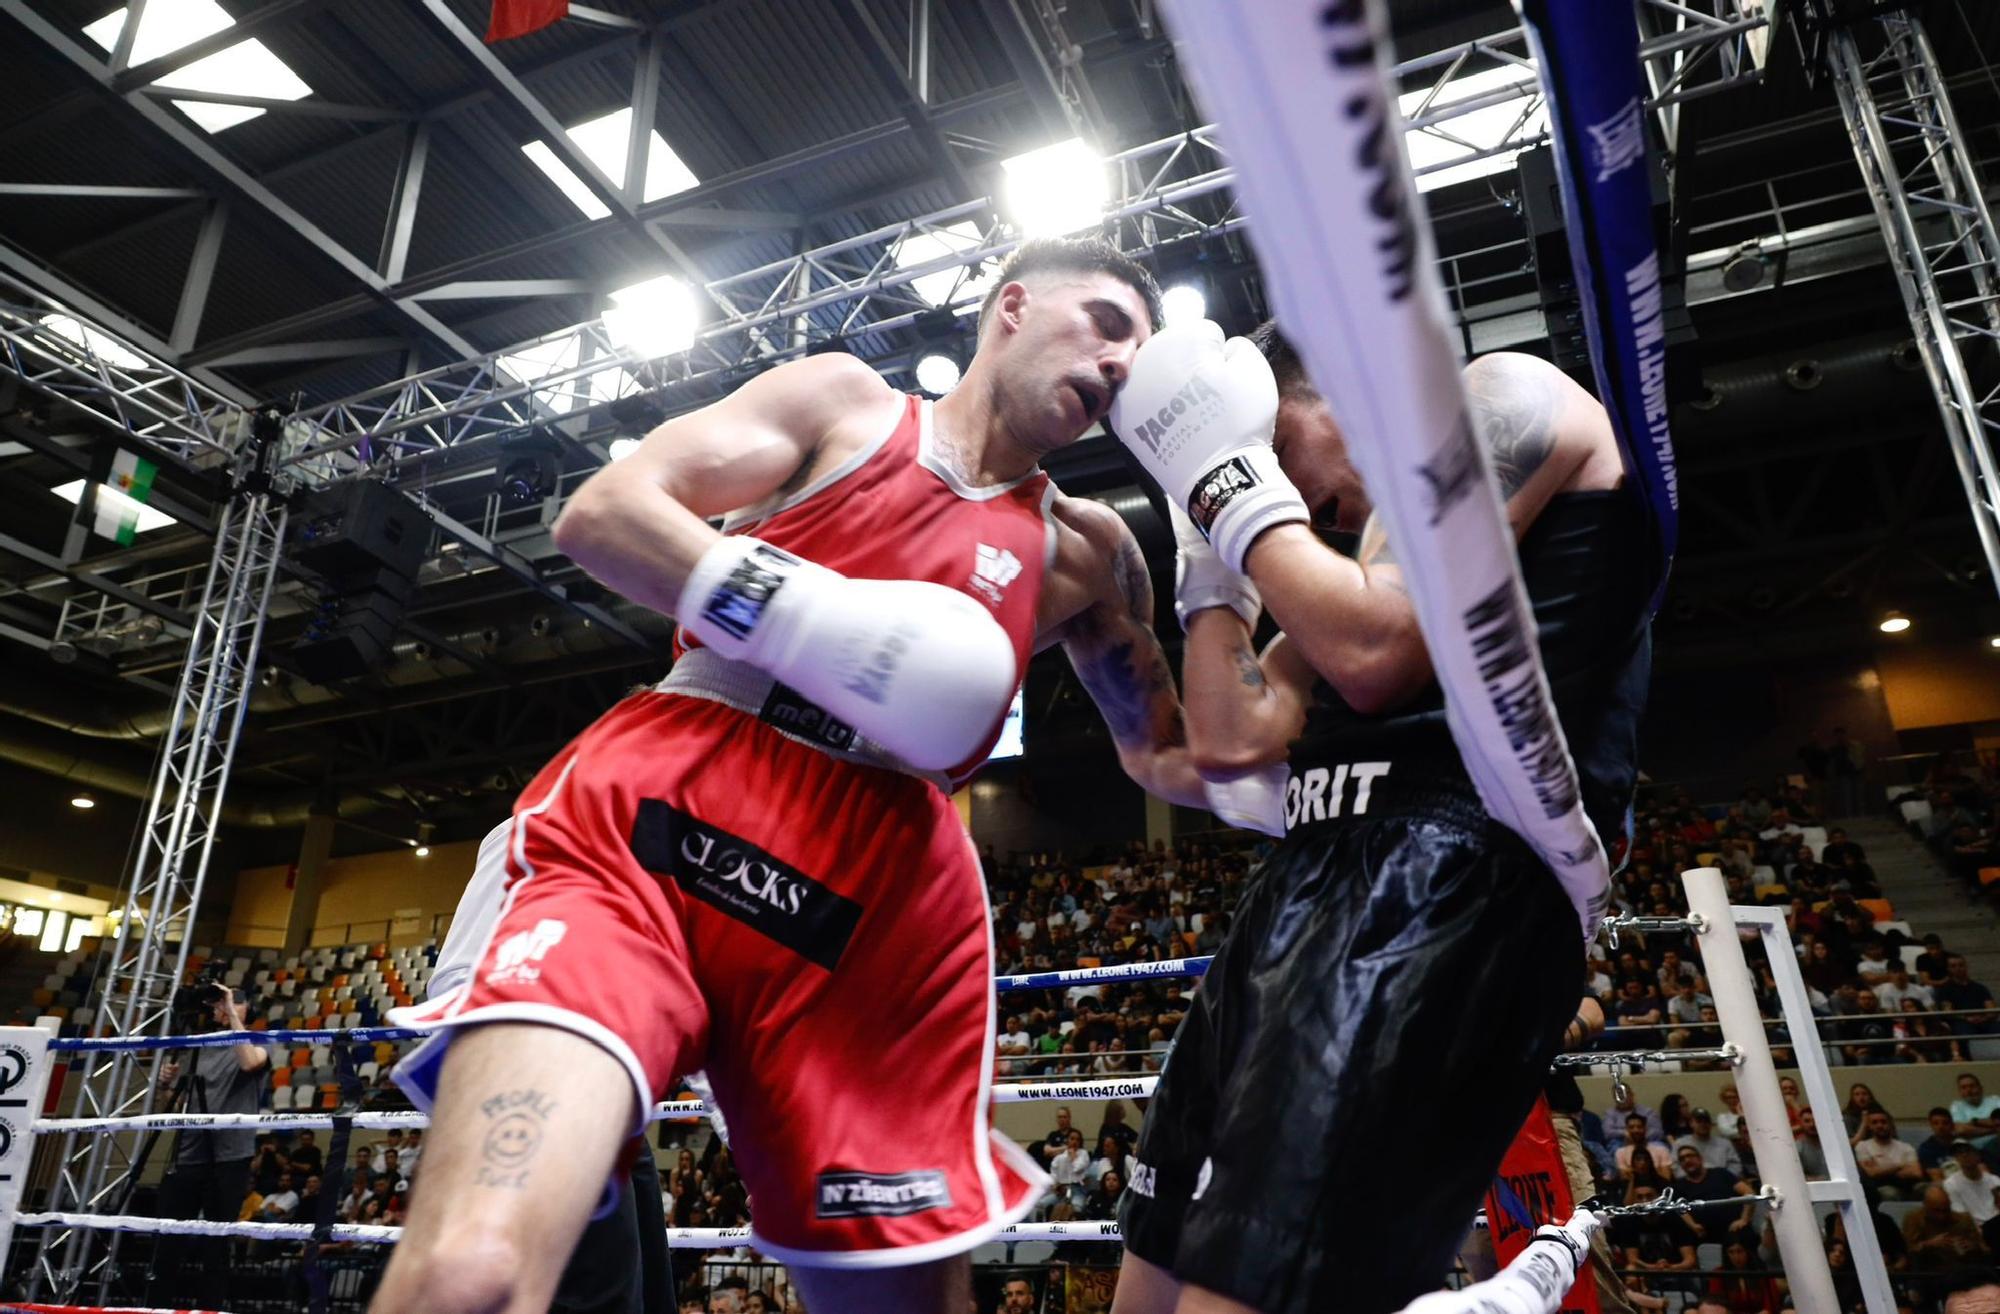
(143, 963)
(1940, 234)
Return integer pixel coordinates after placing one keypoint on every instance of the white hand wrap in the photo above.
(1202, 580)
(1253, 802)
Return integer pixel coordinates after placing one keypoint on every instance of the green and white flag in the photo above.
(128, 486)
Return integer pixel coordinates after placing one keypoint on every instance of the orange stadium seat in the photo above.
(1884, 910)
(1988, 875)
(300, 1058)
(281, 1077)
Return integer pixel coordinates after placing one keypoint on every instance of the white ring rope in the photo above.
(1022, 1092)
(679, 1238)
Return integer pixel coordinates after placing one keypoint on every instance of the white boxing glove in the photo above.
(1202, 580)
(920, 669)
(1253, 802)
(1198, 412)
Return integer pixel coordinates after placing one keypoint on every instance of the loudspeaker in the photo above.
(360, 527)
(1562, 307)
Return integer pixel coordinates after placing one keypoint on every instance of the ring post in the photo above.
(24, 1085)
(1771, 1141)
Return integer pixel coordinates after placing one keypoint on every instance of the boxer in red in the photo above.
(755, 867)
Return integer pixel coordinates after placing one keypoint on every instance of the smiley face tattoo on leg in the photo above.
(515, 1120)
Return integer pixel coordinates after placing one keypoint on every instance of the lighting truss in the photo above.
(859, 284)
(97, 372)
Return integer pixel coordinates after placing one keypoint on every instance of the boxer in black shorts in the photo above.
(1401, 969)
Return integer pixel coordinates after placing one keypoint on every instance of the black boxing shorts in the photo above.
(1356, 1061)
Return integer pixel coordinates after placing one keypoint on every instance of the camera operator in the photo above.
(210, 1174)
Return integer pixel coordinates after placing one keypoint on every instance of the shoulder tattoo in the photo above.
(1513, 410)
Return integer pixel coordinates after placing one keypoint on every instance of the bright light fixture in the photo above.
(1055, 189)
(247, 68)
(937, 374)
(1894, 623)
(605, 140)
(166, 26)
(83, 801)
(1184, 303)
(423, 850)
(1481, 129)
(107, 349)
(150, 517)
(1994, 642)
(945, 285)
(53, 927)
(653, 319)
(623, 447)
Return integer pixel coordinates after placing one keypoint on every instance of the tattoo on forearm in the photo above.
(1135, 582)
(1247, 668)
(1130, 682)
(1513, 410)
(516, 1120)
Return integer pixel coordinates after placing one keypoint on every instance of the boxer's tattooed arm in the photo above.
(1513, 410)
(515, 1122)
(1248, 670)
(1117, 656)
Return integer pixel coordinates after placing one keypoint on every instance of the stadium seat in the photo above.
(280, 1078)
(281, 1097)
(350, 1020)
(43, 997)
(368, 1071)
(300, 1058)
(1881, 908)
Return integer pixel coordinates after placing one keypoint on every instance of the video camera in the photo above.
(194, 1004)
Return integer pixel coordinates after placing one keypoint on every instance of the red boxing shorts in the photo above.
(691, 889)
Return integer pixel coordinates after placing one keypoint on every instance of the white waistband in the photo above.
(699, 673)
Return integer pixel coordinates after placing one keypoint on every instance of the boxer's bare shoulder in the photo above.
(775, 433)
(1097, 562)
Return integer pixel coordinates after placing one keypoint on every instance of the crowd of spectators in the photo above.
(1140, 904)
(1878, 1003)
(1936, 1202)
(1956, 812)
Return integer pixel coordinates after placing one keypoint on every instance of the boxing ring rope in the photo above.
(1537, 1270)
(1165, 969)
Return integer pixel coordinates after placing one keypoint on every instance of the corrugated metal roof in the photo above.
(743, 82)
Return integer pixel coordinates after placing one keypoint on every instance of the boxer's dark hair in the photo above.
(1286, 366)
(1073, 255)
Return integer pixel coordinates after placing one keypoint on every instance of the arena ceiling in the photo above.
(381, 215)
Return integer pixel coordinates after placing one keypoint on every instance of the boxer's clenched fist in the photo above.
(1198, 413)
(922, 670)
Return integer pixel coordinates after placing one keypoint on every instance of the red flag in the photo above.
(1533, 1172)
(512, 18)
